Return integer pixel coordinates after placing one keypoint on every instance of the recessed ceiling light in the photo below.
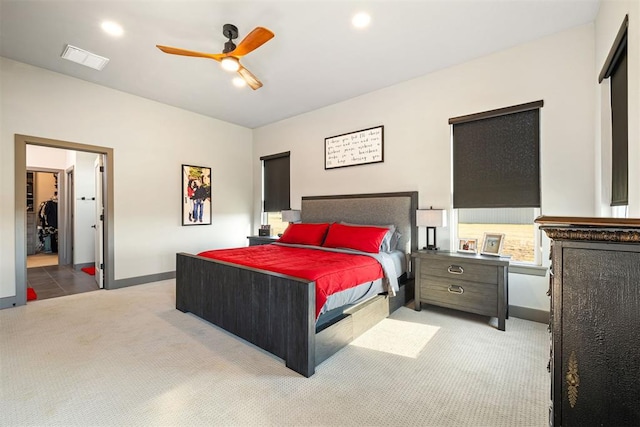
(84, 57)
(361, 20)
(112, 28)
(239, 82)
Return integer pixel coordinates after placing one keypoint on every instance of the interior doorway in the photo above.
(65, 243)
(52, 212)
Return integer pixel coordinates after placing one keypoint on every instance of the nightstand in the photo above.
(261, 240)
(467, 282)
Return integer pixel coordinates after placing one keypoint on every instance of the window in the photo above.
(275, 190)
(496, 177)
(274, 219)
(615, 68)
(515, 223)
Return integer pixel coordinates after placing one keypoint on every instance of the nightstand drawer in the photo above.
(479, 298)
(460, 269)
(466, 282)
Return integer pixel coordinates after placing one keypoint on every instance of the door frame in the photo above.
(67, 255)
(98, 235)
(20, 167)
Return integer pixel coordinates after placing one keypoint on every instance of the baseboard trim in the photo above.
(8, 302)
(527, 313)
(139, 280)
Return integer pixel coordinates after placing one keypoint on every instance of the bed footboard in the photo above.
(273, 311)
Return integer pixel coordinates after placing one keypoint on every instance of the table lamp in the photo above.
(431, 218)
(290, 216)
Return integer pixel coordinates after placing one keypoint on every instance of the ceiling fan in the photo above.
(230, 56)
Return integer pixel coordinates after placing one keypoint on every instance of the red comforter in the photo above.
(332, 271)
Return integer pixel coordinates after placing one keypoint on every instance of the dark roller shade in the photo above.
(276, 182)
(615, 67)
(496, 160)
(620, 136)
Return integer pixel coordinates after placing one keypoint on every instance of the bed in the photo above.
(277, 312)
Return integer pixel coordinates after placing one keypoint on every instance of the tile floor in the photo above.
(59, 280)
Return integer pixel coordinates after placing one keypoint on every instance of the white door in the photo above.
(99, 249)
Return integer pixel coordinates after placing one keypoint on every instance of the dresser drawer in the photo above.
(460, 269)
(473, 297)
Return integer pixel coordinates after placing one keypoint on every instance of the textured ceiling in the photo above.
(316, 58)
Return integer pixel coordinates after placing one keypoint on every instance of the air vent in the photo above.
(84, 57)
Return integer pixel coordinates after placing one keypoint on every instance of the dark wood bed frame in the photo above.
(277, 312)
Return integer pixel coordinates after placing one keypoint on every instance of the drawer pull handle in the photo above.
(459, 289)
(455, 269)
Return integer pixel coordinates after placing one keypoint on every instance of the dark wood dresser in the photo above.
(595, 321)
(467, 282)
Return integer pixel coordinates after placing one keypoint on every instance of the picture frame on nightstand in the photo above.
(492, 244)
(469, 246)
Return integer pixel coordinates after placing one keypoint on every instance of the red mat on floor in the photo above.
(89, 270)
(31, 294)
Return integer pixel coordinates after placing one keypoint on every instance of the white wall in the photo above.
(151, 141)
(557, 69)
(607, 25)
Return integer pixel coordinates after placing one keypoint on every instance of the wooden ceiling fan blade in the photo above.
(251, 80)
(184, 52)
(252, 41)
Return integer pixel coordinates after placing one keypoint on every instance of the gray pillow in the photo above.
(395, 239)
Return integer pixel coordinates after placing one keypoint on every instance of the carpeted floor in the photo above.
(127, 357)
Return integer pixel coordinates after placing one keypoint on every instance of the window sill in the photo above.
(531, 270)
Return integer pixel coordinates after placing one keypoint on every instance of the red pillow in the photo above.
(304, 234)
(365, 239)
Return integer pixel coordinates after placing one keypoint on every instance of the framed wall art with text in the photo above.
(354, 148)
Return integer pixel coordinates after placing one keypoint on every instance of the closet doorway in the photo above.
(42, 217)
(66, 276)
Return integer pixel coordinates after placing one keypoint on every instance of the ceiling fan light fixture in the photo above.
(239, 82)
(230, 63)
